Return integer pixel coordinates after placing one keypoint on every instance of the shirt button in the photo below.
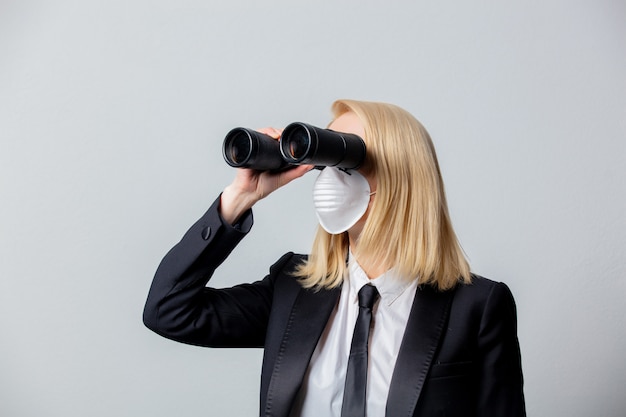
(206, 233)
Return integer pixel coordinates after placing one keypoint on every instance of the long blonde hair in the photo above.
(408, 227)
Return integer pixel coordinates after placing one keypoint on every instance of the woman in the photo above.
(441, 340)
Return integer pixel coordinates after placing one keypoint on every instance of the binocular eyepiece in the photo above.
(299, 144)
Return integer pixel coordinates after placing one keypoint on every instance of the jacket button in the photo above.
(206, 233)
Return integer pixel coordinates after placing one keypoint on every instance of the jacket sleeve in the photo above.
(500, 368)
(182, 308)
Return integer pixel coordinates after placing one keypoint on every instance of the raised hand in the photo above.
(250, 186)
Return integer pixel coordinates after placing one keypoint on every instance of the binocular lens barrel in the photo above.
(246, 148)
(298, 144)
(301, 143)
(239, 147)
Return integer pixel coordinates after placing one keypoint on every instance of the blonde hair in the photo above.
(408, 227)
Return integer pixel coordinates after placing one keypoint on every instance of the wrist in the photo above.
(234, 203)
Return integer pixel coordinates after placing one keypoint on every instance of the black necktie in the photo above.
(356, 375)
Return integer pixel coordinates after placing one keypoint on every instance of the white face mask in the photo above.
(340, 199)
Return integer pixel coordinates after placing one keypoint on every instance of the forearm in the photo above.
(178, 305)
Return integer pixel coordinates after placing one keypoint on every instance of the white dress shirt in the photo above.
(321, 393)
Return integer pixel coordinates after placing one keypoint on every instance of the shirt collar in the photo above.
(390, 285)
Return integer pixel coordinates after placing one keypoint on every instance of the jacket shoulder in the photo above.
(483, 294)
(482, 286)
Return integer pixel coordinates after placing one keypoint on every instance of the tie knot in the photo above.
(367, 296)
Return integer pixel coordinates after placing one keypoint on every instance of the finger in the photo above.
(296, 172)
(271, 131)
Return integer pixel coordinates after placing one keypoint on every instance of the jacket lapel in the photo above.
(428, 317)
(307, 320)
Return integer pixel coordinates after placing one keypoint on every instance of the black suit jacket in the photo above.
(459, 355)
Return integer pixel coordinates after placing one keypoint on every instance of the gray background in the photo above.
(112, 115)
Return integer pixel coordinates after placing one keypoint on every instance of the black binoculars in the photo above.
(299, 144)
